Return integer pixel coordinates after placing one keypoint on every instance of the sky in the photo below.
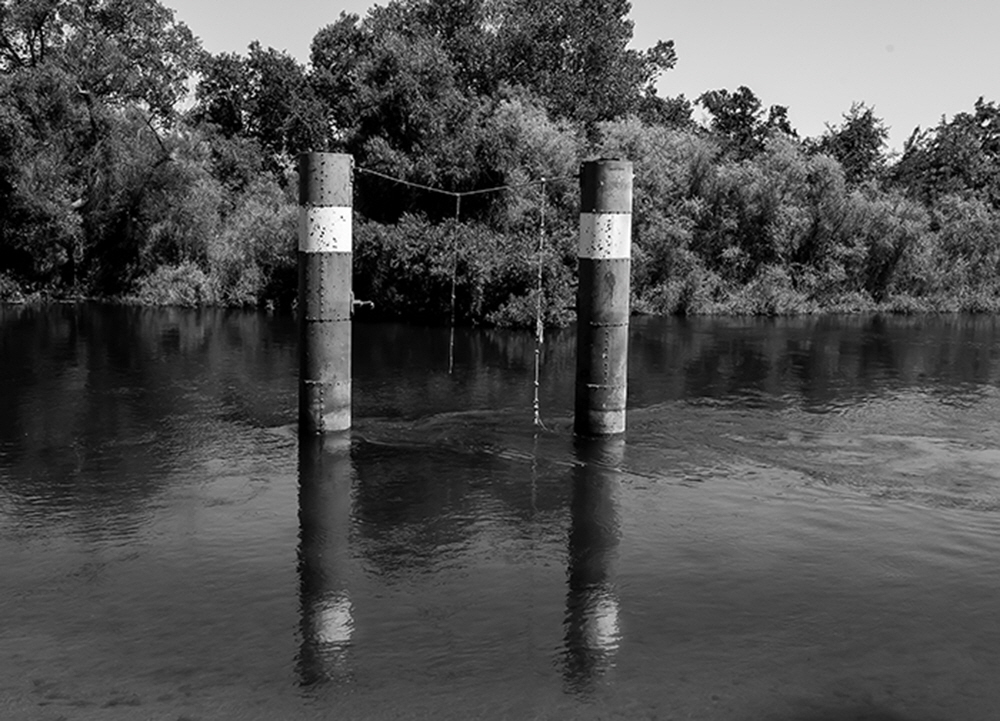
(913, 61)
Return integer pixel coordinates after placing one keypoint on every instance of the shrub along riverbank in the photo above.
(113, 186)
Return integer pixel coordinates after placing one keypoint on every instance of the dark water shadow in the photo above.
(97, 401)
(818, 363)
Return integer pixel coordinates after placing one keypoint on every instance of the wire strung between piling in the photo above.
(458, 193)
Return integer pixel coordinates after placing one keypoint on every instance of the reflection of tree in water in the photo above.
(326, 479)
(100, 400)
(488, 366)
(809, 361)
(419, 506)
(592, 607)
(517, 348)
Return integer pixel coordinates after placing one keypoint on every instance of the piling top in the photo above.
(606, 186)
(326, 179)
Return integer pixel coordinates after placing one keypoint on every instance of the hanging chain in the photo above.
(454, 274)
(539, 322)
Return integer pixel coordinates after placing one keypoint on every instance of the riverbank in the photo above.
(750, 301)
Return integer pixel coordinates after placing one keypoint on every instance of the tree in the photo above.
(739, 120)
(858, 144)
(670, 112)
(223, 93)
(465, 29)
(336, 55)
(88, 89)
(284, 113)
(120, 51)
(27, 29)
(958, 157)
(266, 96)
(575, 55)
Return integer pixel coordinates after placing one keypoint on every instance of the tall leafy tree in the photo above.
(118, 51)
(223, 93)
(284, 113)
(673, 112)
(266, 96)
(739, 119)
(337, 54)
(858, 143)
(575, 55)
(960, 156)
(87, 87)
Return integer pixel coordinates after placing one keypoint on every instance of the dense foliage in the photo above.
(117, 182)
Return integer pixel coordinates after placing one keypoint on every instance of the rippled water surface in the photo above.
(802, 523)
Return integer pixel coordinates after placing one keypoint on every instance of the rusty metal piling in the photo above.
(325, 259)
(602, 302)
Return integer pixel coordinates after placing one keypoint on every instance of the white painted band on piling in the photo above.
(325, 229)
(604, 236)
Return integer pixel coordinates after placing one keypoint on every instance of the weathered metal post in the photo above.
(602, 300)
(325, 298)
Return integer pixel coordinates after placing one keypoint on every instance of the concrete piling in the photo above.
(602, 301)
(325, 297)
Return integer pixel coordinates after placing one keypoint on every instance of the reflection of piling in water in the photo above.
(592, 627)
(602, 299)
(327, 622)
(325, 297)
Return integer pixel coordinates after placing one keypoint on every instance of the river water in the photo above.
(802, 523)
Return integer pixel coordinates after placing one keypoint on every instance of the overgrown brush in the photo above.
(408, 270)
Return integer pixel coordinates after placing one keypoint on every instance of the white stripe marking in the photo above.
(605, 235)
(325, 229)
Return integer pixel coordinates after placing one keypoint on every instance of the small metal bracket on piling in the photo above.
(325, 296)
(602, 301)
